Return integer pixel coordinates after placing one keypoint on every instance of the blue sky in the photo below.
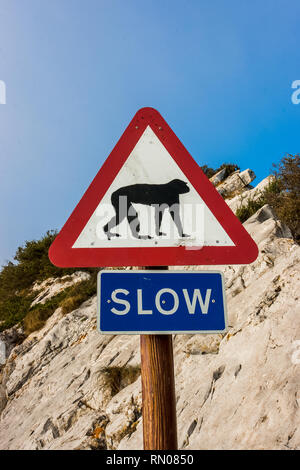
(76, 71)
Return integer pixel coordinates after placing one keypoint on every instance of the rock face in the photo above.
(236, 183)
(51, 287)
(241, 200)
(10, 338)
(68, 387)
(218, 177)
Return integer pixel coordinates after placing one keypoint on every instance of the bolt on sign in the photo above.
(151, 205)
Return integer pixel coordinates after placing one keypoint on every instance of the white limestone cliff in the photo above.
(68, 387)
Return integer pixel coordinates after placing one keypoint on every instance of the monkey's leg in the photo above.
(134, 223)
(159, 212)
(115, 220)
(112, 223)
(174, 211)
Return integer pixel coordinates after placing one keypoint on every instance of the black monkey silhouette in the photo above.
(161, 196)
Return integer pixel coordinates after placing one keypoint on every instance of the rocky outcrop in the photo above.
(241, 200)
(68, 387)
(236, 183)
(53, 286)
(218, 177)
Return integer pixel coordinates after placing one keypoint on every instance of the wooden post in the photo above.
(158, 389)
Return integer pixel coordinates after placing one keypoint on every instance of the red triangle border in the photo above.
(62, 254)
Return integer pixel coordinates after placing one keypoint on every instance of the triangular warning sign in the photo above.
(151, 205)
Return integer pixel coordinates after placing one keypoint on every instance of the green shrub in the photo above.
(31, 264)
(78, 294)
(245, 211)
(13, 309)
(286, 200)
(36, 316)
(230, 168)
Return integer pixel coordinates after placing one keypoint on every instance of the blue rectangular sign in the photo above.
(148, 302)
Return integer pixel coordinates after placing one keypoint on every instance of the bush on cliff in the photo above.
(283, 194)
(31, 264)
(286, 202)
(69, 299)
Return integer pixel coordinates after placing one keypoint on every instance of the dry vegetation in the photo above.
(120, 377)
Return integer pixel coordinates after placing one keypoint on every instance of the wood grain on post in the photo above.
(158, 389)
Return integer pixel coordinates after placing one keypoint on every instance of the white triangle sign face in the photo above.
(151, 204)
(150, 163)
